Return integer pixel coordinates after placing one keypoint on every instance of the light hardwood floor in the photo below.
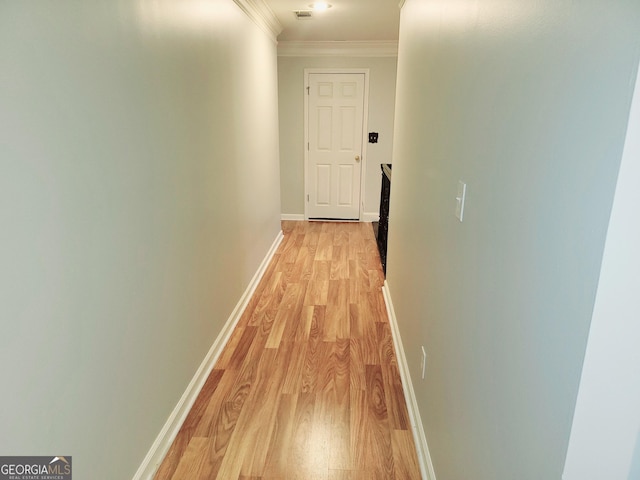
(308, 385)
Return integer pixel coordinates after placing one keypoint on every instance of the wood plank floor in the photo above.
(308, 385)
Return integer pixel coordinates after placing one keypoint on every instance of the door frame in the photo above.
(365, 130)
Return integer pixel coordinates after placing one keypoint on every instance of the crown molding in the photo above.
(262, 15)
(386, 48)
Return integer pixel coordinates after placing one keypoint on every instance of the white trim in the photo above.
(370, 217)
(365, 142)
(262, 15)
(296, 217)
(365, 126)
(387, 48)
(170, 430)
(401, 4)
(424, 458)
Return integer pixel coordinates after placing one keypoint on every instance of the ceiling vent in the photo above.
(303, 14)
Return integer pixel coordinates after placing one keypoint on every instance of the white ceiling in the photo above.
(346, 20)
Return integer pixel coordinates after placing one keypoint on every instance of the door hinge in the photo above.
(307, 198)
(308, 88)
(307, 145)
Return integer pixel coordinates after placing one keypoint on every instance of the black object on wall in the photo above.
(373, 137)
(383, 226)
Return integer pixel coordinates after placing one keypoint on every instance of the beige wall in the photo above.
(382, 79)
(139, 192)
(526, 102)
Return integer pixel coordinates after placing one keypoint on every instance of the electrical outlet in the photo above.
(424, 362)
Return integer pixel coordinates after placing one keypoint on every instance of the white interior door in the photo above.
(335, 127)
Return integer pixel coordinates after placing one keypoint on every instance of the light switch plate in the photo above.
(462, 193)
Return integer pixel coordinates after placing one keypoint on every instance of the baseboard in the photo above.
(298, 217)
(424, 458)
(163, 442)
(365, 217)
(370, 217)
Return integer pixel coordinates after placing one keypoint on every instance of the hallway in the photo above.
(308, 386)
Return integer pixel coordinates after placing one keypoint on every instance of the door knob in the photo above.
(357, 158)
